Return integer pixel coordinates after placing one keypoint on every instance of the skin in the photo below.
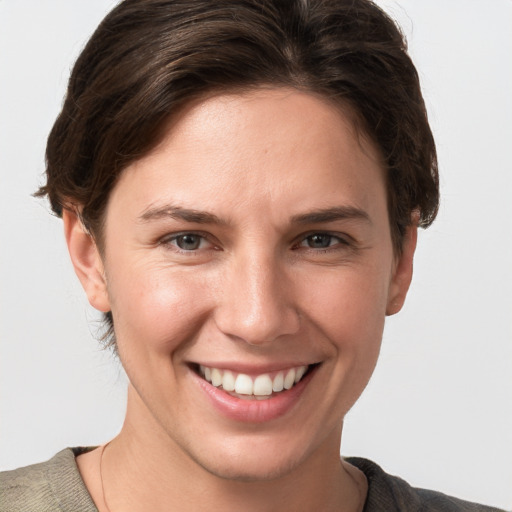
(257, 289)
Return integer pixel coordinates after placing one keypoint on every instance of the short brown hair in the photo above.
(150, 57)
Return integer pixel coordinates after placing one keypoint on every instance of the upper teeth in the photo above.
(261, 385)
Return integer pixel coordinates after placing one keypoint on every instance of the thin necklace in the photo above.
(101, 477)
(360, 491)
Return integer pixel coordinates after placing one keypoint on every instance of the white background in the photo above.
(438, 410)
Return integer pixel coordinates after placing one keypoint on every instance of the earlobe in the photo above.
(402, 275)
(86, 260)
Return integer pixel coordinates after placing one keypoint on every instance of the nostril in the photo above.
(258, 329)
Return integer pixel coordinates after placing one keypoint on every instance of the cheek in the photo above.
(156, 310)
(346, 314)
(349, 305)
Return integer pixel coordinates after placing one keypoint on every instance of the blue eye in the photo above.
(188, 241)
(320, 241)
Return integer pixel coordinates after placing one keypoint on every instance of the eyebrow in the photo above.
(331, 215)
(201, 217)
(179, 213)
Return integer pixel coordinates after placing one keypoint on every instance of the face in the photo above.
(248, 265)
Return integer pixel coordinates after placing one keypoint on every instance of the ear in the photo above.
(402, 273)
(86, 260)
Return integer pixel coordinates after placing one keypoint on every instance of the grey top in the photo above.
(56, 485)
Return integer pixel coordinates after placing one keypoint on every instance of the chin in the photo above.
(250, 471)
(249, 464)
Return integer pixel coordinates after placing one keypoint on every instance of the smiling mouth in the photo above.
(259, 387)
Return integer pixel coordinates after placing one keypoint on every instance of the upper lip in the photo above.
(252, 369)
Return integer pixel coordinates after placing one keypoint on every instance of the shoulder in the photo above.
(48, 486)
(390, 493)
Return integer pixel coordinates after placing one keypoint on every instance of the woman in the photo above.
(241, 186)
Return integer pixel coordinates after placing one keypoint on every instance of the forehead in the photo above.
(279, 148)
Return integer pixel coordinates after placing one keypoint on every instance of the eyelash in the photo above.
(170, 241)
(339, 241)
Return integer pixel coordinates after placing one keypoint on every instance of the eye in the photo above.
(321, 241)
(187, 241)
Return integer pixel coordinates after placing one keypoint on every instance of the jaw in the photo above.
(236, 470)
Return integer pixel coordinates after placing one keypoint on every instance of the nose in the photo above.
(258, 301)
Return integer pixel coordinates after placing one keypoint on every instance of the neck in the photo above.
(144, 469)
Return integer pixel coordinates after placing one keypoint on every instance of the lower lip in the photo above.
(253, 410)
